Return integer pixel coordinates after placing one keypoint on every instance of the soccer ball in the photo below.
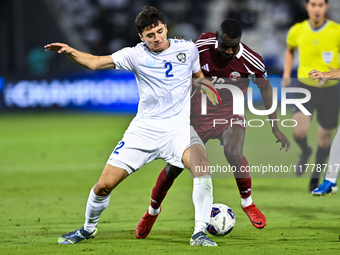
(222, 220)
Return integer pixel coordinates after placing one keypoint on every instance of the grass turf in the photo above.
(49, 162)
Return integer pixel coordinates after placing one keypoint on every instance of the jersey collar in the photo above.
(146, 46)
(318, 29)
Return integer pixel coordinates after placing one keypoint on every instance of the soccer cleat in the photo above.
(301, 163)
(326, 187)
(145, 224)
(76, 236)
(201, 239)
(314, 181)
(313, 184)
(255, 216)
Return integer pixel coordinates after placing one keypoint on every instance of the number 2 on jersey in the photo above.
(167, 72)
(120, 145)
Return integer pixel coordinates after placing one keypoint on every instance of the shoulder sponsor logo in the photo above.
(182, 57)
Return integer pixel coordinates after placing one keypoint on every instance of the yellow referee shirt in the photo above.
(318, 49)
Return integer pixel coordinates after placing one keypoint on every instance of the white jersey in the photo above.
(164, 82)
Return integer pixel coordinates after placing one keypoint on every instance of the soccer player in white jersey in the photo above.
(161, 128)
(328, 186)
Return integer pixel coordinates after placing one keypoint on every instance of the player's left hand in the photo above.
(281, 138)
(315, 74)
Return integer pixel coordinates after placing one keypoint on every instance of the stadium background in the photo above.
(30, 78)
(54, 138)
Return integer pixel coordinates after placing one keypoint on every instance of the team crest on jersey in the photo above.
(234, 76)
(182, 57)
(150, 61)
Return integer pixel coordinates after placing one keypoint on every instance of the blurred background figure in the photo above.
(318, 41)
(95, 25)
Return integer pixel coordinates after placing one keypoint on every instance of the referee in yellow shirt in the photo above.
(318, 42)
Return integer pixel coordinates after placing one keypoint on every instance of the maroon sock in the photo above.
(243, 179)
(160, 189)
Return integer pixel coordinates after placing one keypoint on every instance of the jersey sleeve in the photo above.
(124, 59)
(254, 64)
(291, 37)
(261, 79)
(195, 62)
(338, 36)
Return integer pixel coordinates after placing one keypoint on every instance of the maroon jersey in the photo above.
(245, 65)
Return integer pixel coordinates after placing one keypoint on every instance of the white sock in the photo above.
(153, 211)
(246, 201)
(202, 199)
(200, 227)
(332, 180)
(94, 208)
(333, 162)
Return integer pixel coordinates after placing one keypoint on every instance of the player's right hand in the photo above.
(281, 138)
(315, 74)
(58, 47)
(285, 82)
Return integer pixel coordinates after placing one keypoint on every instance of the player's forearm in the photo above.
(198, 78)
(273, 118)
(288, 63)
(332, 74)
(267, 97)
(84, 59)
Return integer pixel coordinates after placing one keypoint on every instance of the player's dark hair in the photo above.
(231, 28)
(308, 1)
(148, 17)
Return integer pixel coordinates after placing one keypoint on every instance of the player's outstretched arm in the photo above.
(323, 76)
(267, 97)
(81, 58)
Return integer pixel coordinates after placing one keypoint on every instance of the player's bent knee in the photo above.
(300, 134)
(102, 190)
(200, 172)
(324, 143)
(109, 179)
(234, 157)
(200, 169)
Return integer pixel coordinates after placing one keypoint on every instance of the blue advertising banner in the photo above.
(114, 91)
(110, 91)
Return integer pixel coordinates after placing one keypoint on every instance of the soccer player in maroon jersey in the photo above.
(225, 60)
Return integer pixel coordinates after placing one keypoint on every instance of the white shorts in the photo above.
(140, 146)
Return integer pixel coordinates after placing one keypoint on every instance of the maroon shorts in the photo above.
(208, 127)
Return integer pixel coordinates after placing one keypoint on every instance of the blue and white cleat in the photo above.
(76, 236)
(201, 239)
(326, 187)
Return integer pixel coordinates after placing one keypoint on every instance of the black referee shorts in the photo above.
(325, 101)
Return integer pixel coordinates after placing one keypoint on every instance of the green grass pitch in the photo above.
(49, 162)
